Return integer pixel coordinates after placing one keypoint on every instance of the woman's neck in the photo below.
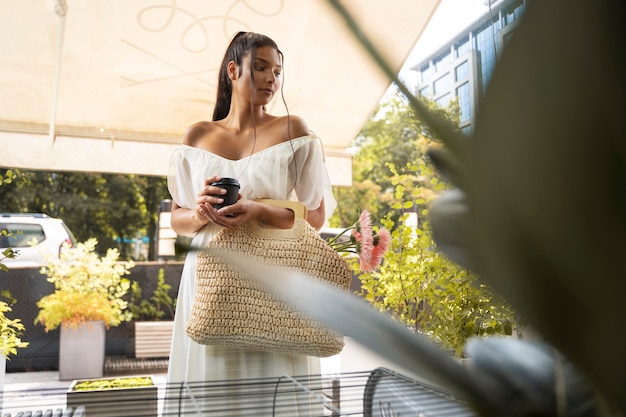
(243, 118)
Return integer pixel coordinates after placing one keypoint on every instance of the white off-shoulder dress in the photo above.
(289, 170)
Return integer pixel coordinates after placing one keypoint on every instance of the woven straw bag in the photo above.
(230, 309)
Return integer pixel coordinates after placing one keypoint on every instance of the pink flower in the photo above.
(364, 237)
(362, 226)
(369, 246)
(382, 239)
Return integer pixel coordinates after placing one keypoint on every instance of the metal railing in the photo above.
(377, 393)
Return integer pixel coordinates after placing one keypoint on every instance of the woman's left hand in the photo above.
(234, 215)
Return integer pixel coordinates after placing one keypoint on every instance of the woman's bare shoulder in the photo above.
(197, 131)
(295, 125)
(299, 127)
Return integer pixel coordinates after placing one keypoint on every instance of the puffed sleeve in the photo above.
(179, 180)
(313, 180)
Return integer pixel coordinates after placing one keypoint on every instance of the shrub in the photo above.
(87, 288)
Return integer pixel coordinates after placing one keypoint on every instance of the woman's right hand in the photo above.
(188, 221)
(207, 198)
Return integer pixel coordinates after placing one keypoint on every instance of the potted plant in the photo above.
(88, 299)
(10, 336)
(112, 397)
(153, 319)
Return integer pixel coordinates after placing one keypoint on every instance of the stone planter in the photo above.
(81, 351)
(115, 402)
(153, 339)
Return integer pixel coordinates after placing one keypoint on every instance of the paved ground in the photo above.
(42, 391)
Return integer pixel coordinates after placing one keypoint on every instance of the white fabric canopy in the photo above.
(112, 85)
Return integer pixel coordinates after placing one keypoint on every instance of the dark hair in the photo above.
(241, 44)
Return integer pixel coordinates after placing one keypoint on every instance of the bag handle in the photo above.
(299, 210)
(255, 228)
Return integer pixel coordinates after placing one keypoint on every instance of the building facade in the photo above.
(461, 69)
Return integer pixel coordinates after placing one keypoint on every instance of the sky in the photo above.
(451, 17)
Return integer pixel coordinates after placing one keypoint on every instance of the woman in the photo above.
(271, 157)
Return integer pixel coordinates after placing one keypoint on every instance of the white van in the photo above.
(32, 236)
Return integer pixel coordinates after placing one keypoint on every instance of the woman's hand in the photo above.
(243, 210)
(234, 215)
(208, 196)
(188, 221)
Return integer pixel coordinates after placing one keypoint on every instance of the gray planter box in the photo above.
(81, 351)
(115, 402)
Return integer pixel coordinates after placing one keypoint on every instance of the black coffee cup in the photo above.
(231, 185)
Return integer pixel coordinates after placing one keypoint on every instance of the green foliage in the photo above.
(426, 291)
(158, 306)
(14, 176)
(392, 137)
(395, 180)
(10, 329)
(9, 177)
(7, 253)
(112, 208)
(114, 383)
(87, 288)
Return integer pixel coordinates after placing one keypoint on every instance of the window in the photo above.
(427, 72)
(462, 48)
(442, 84)
(513, 13)
(462, 71)
(444, 101)
(509, 18)
(23, 234)
(425, 91)
(463, 93)
(443, 61)
(486, 44)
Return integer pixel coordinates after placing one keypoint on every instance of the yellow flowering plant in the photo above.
(87, 288)
(10, 329)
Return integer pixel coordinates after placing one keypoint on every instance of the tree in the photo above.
(122, 213)
(10, 329)
(393, 136)
(112, 208)
(416, 283)
(10, 177)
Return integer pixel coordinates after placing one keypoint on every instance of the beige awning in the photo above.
(112, 85)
